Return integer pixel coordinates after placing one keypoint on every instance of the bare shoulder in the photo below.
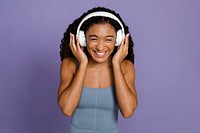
(69, 62)
(68, 65)
(127, 66)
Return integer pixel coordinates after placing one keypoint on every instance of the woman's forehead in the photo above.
(101, 29)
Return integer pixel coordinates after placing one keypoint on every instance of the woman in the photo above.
(97, 72)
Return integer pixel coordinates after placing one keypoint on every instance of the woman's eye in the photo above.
(108, 40)
(93, 39)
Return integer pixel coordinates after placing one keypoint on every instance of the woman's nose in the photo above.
(100, 45)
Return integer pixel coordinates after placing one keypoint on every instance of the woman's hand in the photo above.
(122, 51)
(77, 50)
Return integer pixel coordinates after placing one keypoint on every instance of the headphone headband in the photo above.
(99, 13)
(120, 33)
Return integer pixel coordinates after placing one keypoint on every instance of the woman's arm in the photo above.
(124, 77)
(71, 81)
(70, 87)
(126, 94)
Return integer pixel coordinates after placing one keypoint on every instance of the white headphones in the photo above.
(81, 36)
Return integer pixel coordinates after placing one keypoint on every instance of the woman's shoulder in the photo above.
(127, 65)
(127, 62)
(69, 63)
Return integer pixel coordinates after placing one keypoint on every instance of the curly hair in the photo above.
(65, 50)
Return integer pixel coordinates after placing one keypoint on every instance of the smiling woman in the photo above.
(97, 72)
(100, 42)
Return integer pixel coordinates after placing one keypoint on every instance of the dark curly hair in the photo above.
(65, 50)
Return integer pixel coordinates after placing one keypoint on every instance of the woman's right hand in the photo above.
(77, 50)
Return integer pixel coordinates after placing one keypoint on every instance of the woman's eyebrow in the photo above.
(93, 36)
(105, 37)
(110, 36)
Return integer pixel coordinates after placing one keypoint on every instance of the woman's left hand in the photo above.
(122, 51)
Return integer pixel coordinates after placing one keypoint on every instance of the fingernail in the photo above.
(71, 34)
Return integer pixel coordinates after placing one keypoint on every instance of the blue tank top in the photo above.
(97, 111)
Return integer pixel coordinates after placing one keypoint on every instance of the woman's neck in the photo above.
(107, 63)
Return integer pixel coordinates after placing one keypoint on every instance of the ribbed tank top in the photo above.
(97, 111)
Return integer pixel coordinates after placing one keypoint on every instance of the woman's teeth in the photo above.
(100, 53)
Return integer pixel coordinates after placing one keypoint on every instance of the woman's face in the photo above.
(100, 41)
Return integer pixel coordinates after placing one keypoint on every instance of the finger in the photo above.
(122, 44)
(127, 38)
(126, 41)
(118, 47)
(123, 41)
(72, 41)
(82, 48)
(78, 44)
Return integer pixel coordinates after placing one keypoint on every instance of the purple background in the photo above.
(167, 47)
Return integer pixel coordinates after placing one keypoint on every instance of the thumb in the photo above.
(118, 47)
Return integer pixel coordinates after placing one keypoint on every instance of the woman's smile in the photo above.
(100, 54)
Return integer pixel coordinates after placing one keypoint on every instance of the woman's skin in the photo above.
(93, 69)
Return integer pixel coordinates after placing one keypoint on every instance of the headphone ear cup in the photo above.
(119, 37)
(82, 39)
